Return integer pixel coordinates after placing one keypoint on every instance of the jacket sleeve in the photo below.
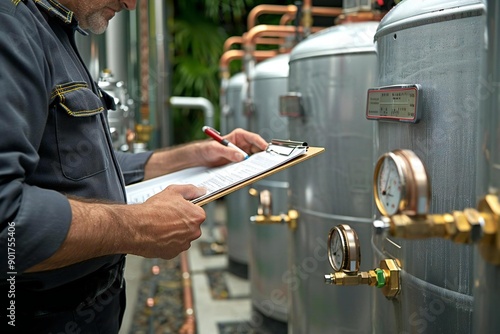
(132, 165)
(33, 221)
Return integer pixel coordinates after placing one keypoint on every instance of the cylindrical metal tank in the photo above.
(331, 70)
(268, 246)
(238, 206)
(438, 45)
(486, 275)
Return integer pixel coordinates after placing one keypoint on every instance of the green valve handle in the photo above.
(380, 278)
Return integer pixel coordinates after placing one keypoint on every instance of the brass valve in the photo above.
(264, 212)
(386, 277)
(481, 226)
(290, 219)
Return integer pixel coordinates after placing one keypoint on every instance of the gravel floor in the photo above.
(160, 303)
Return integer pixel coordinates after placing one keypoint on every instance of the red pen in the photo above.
(211, 132)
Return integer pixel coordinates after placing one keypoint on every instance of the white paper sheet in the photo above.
(216, 179)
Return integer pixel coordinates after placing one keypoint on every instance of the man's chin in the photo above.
(98, 30)
(97, 25)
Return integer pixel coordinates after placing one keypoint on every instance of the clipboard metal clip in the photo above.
(285, 147)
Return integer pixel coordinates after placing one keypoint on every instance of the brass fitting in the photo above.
(489, 245)
(264, 212)
(420, 227)
(481, 226)
(391, 269)
(290, 219)
(350, 279)
(386, 277)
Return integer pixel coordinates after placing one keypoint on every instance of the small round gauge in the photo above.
(343, 249)
(400, 184)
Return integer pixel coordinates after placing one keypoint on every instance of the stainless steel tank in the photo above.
(331, 71)
(486, 275)
(268, 246)
(436, 44)
(238, 206)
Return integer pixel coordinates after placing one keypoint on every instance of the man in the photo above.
(64, 224)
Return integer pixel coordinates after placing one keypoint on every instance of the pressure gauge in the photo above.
(400, 184)
(343, 249)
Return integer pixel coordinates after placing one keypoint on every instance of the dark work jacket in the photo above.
(54, 141)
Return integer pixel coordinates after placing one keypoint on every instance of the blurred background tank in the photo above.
(238, 207)
(329, 75)
(438, 45)
(268, 246)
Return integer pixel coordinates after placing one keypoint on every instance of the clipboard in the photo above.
(223, 180)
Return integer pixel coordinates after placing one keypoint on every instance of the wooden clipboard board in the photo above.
(311, 152)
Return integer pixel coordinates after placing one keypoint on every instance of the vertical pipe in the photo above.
(117, 38)
(144, 54)
(97, 55)
(117, 46)
(189, 326)
(92, 51)
(161, 87)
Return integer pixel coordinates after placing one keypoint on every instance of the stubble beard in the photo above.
(97, 23)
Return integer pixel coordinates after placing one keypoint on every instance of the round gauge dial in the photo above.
(400, 184)
(343, 249)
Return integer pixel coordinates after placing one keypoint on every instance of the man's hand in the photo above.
(169, 222)
(215, 154)
(203, 153)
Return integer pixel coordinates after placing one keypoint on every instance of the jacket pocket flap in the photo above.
(77, 99)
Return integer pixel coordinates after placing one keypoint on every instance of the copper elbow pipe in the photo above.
(267, 9)
(189, 326)
(228, 57)
(231, 41)
(290, 10)
(272, 30)
(231, 55)
(240, 39)
(286, 18)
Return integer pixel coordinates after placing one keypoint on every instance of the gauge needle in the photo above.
(384, 192)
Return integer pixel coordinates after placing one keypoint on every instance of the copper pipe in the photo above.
(271, 30)
(267, 9)
(290, 9)
(231, 55)
(240, 39)
(359, 17)
(144, 51)
(286, 18)
(189, 326)
(307, 19)
(231, 41)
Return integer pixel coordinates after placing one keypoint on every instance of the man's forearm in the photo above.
(172, 160)
(163, 226)
(96, 230)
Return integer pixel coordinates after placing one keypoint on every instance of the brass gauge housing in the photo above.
(343, 249)
(401, 185)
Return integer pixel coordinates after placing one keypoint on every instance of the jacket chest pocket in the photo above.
(80, 131)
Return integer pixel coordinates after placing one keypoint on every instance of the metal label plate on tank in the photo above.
(291, 105)
(399, 103)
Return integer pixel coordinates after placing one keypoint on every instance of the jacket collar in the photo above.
(55, 9)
